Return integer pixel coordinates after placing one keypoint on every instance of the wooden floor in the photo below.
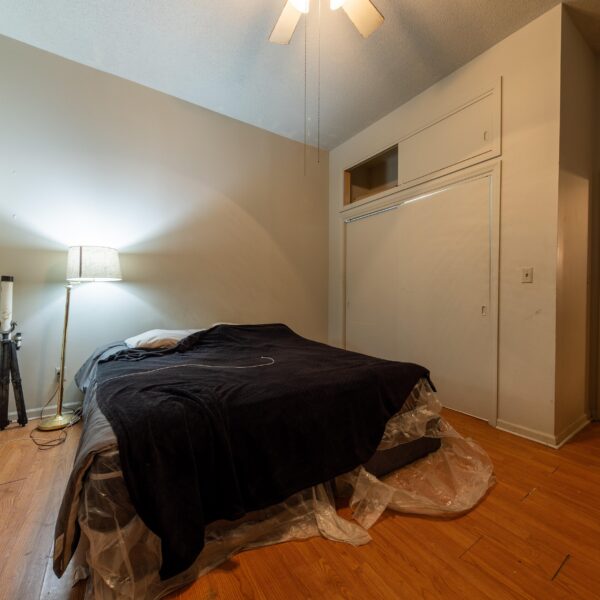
(535, 535)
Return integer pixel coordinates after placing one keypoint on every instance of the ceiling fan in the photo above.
(362, 13)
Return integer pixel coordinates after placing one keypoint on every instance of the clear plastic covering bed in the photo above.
(123, 555)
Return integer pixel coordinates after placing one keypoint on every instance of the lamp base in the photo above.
(55, 422)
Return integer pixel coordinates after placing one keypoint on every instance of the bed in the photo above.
(241, 436)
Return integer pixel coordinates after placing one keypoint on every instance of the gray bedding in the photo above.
(97, 437)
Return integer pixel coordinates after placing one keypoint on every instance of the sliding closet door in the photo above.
(419, 289)
(371, 285)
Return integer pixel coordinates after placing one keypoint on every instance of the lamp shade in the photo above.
(93, 263)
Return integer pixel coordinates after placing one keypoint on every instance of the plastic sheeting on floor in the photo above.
(123, 555)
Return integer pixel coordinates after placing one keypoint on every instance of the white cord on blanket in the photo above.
(199, 366)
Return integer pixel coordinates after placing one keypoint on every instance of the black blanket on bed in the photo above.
(237, 418)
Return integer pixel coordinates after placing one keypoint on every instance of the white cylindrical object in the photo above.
(6, 302)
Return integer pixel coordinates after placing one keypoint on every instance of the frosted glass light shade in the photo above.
(93, 263)
(335, 4)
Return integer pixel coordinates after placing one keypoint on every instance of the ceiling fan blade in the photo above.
(364, 15)
(286, 25)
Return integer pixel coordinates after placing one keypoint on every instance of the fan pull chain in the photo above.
(319, 89)
(305, 91)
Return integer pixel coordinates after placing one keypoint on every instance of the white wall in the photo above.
(596, 241)
(215, 219)
(594, 362)
(529, 63)
(577, 120)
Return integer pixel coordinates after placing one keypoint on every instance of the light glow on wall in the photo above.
(68, 214)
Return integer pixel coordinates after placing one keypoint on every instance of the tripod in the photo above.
(9, 371)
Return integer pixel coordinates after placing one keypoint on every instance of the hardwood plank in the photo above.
(445, 572)
(15, 432)
(580, 576)
(362, 580)
(580, 523)
(9, 494)
(545, 507)
(227, 581)
(27, 534)
(508, 569)
(16, 459)
(46, 485)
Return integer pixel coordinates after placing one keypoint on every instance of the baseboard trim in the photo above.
(554, 441)
(573, 429)
(527, 433)
(36, 413)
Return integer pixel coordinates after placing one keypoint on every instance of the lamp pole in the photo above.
(59, 421)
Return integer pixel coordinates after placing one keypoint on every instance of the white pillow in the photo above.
(159, 338)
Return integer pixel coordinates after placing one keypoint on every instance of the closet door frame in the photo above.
(492, 171)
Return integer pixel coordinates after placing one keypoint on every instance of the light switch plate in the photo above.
(527, 275)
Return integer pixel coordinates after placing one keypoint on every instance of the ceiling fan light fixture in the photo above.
(302, 5)
(364, 15)
(286, 25)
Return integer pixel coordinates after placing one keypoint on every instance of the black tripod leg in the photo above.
(17, 386)
(4, 383)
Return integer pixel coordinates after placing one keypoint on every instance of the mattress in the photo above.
(122, 556)
(237, 418)
(204, 434)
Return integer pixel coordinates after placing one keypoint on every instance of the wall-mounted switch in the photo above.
(527, 275)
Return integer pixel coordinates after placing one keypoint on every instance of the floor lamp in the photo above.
(84, 264)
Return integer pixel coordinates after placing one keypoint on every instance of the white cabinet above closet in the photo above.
(467, 135)
(464, 135)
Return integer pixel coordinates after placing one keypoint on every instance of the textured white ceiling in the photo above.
(215, 53)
